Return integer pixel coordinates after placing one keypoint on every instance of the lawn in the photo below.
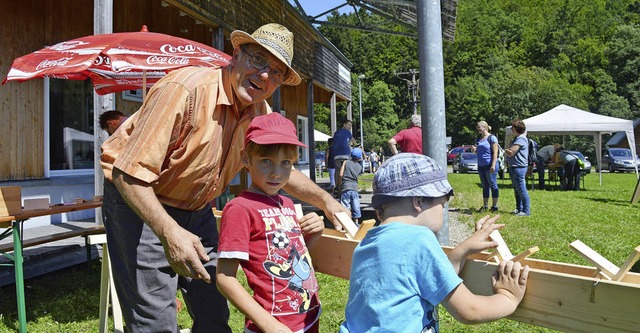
(601, 216)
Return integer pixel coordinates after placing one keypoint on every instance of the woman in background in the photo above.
(487, 151)
(517, 159)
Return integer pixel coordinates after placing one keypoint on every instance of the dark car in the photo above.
(454, 152)
(618, 159)
(465, 163)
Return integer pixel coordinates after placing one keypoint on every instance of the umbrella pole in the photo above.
(144, 84)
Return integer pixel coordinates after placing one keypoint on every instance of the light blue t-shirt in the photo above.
(483, 150)
(399, 273)
(521, 158)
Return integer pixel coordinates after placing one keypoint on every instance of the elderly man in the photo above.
(165, 165)
(410, 139)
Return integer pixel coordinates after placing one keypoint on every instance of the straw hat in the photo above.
(276, 39)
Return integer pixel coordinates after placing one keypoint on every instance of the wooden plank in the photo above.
(631, 259)
(334, 232)
(55, 237)
(299, 212)
(364, 227)
(636, 193)
(522, 256)
(332, 255)
(502, 250)
(347, 223)
(566, 302)
(595, 258)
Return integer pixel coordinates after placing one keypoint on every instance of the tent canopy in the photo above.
(567, 120)
(319, 136)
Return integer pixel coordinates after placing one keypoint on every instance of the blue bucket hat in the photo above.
(356, 153)
(409, 175)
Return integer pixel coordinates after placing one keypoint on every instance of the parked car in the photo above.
(454, 152)
(587, 164)
(618, 159)
(465, 163)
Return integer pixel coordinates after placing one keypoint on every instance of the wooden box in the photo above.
(10, 200)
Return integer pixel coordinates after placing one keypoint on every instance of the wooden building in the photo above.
(44, 118)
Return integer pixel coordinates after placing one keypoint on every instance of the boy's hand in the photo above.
(479, 241)
(509, 281)
(311, 224)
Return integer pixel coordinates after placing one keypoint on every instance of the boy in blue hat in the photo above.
(399, 272)
(349, 172)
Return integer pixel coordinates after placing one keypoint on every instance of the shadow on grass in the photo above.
(65, 296)
(617, 202)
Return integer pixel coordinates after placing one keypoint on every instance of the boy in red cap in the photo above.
(260, 232)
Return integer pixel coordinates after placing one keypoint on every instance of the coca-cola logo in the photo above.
(68, 45)
(170, 49)
(102, 60)
(154, 60)
(49, 63)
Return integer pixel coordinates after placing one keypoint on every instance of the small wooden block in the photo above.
(522, 256)
(10, 200)
(347, 223)
(79, 200)
(364, 227)
(595, 258)
(299, 212)
(502, 250)
(631, 259)
(36, 203)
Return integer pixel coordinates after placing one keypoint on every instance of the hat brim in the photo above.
(276, 139)
(240, 37)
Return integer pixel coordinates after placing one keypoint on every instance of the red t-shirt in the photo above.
(267, 239)
(410, 140)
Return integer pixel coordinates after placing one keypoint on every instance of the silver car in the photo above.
(618, 159)
(465, 162)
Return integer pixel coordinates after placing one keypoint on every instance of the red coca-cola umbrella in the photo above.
(116, 62)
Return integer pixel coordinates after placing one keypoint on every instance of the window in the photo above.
(70, 126)
(303, 136)
(132, 95)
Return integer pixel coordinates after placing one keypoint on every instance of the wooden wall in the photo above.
(30, 25)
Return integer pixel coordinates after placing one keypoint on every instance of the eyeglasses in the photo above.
(260, 63)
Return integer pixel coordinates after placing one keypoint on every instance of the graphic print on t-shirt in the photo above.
(287, 259)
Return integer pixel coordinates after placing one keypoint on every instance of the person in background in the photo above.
(329, 161)
(373, 157)
(517, 161)
(111, 120)
(570, 179)
(260, 232)
(410, 139)
(399, 272)
(487, 150)
(380, 155)
(349, 172)
(342, 141)
(165, 165)
(544, 156)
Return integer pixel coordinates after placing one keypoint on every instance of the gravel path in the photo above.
(458, 231)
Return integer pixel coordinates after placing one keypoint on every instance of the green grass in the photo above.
(601, 216)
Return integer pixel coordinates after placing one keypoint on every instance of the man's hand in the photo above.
(330, 211)
(185, 253)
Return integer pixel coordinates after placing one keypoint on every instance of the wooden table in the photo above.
(15, 224)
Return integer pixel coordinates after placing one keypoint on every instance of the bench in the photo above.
(74, 231)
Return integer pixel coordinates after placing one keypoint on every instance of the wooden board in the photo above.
(560, 296)
(347, 223)
(636, 194)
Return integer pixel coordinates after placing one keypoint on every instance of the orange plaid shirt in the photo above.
(185, 140)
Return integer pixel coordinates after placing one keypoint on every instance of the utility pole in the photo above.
(413, 86)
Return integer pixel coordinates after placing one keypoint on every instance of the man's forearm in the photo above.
(301, 187)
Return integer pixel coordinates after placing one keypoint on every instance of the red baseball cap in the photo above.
(272, 129)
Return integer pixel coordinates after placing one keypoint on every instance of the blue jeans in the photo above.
(351, 200)
(520, 188)
(489, 181)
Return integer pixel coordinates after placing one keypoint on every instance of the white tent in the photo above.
(319, 136)
(567, 120)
